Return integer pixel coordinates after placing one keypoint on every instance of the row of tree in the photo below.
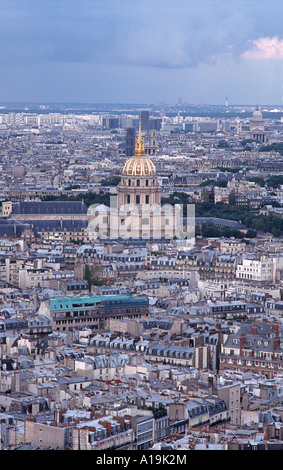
(259, 223)
(89, 198)
(276, 147)
(218, 231)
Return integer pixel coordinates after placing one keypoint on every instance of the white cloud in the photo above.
(265, 49)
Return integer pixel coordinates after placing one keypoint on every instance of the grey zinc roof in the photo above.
(49, 207)
(217, 221)
(12, 229)
(58, 225)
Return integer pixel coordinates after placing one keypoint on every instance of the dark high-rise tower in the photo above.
(130, 141)
(144, 120)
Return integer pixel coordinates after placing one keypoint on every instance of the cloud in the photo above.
(152, 33)
(265, 49)
(140, 50)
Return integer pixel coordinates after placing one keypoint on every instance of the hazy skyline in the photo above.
(143, 51)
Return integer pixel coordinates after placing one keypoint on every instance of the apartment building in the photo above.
(9, 269)
(30, 278)
(259, 269)
(231, 394)
(256, 347)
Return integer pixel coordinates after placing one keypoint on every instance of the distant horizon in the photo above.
(136, 104)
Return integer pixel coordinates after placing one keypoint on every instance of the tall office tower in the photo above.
(130, 141)
(155, 123)
(113, 123)
(144, 120)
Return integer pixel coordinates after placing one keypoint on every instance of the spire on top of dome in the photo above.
(139, 145)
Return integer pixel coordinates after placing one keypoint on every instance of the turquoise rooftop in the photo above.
(71, 303)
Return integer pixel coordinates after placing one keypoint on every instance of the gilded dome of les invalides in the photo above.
(139, 164)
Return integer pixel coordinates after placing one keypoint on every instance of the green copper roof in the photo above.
(71, 303)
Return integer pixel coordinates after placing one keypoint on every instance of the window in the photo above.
(146, 182)
(147, 199)
(138, 182)
(137, 199)
(128, 199)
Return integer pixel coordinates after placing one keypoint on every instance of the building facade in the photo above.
(93, 311)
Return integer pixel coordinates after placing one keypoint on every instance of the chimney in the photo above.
(242, 341)
(61, 412)
(120, 420)
(276, 327)
(17, 381)
(269, 431)
(107, 425)
(210, 381)
(275, 343)
(254, 329)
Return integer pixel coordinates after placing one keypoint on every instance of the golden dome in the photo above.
(139, 164)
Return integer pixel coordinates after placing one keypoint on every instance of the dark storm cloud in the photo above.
(147, 32)
(102, 47)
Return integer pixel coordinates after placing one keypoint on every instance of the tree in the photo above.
(204, 195)
(274, 181)
(93, 275)
(232, 198)
(219, 183)
(73, 186)
(88, 198)
(276, 147)
(223, 144)
(114, 181)
(244, 142)
(251, 233)
(257, 179)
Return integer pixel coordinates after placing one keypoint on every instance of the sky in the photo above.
(142, 51)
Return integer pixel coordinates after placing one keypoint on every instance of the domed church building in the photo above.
(139, 200)
(257, 128)
(139, 183)
(137, 212)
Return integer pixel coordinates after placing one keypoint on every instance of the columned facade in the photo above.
(257, 128)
